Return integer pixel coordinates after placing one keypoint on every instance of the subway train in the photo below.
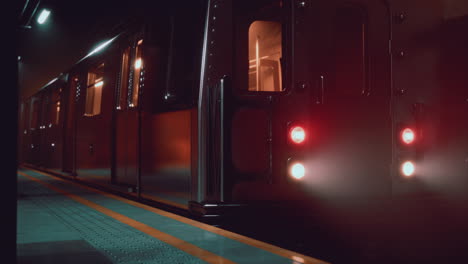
(218, 104)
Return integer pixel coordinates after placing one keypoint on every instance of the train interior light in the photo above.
(99, 84)
(138, 64)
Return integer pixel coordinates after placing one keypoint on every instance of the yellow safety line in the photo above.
(166, 238)
(300, 258)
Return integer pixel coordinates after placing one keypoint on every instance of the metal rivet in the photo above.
(400, 91)
(400, 18)
(302, 3)
(302, 85)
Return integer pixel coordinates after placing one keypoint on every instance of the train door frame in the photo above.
(70, 115)
(251, 112)
(123, 108)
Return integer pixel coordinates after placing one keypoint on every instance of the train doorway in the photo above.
(127, 120)
(70, 126)
(126, 147)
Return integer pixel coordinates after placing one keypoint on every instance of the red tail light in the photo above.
(297, 134)
(407, 136)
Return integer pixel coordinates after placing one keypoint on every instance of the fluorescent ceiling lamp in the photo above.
(51, 81)
(99, 48)
(43, 16)
(102, 46)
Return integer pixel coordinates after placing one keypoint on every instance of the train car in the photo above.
(335, 100)
(126, 108)
(269, 101)
(40, 129)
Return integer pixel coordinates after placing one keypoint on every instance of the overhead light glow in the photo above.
(43, 16)
(408, 169)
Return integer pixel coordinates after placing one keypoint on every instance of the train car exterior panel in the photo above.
(266, 102)
(94, 116)
(166, 159)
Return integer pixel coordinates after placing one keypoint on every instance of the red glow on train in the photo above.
(407, 136)
(297, 134)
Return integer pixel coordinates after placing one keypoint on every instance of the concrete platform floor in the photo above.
(60, 221)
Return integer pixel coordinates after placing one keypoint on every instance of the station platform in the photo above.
(61, 221)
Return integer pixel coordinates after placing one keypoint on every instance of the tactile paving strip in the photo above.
(119, 242)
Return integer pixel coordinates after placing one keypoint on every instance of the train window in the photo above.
(35, 115)
(350, 51)
(123, 82)
(54, 108)
(57, 112)
(260, 45)
(23, 115)
(264, 56)
(137, 71)
(94, 90)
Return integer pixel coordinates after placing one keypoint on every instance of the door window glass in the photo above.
(137, 74)
(261, 46)
(123, 80)
(94, 90)
(264, 56)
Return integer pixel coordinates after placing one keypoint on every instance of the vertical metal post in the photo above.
(221, 138)
(201, 118)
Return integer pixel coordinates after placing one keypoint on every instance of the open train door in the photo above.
(342, 59)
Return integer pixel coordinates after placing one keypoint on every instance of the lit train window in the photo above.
(264, 56)
(57, 113)
(94, 90)
(54, 108)
(261, 45)
(123, 82)
(137, 69)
